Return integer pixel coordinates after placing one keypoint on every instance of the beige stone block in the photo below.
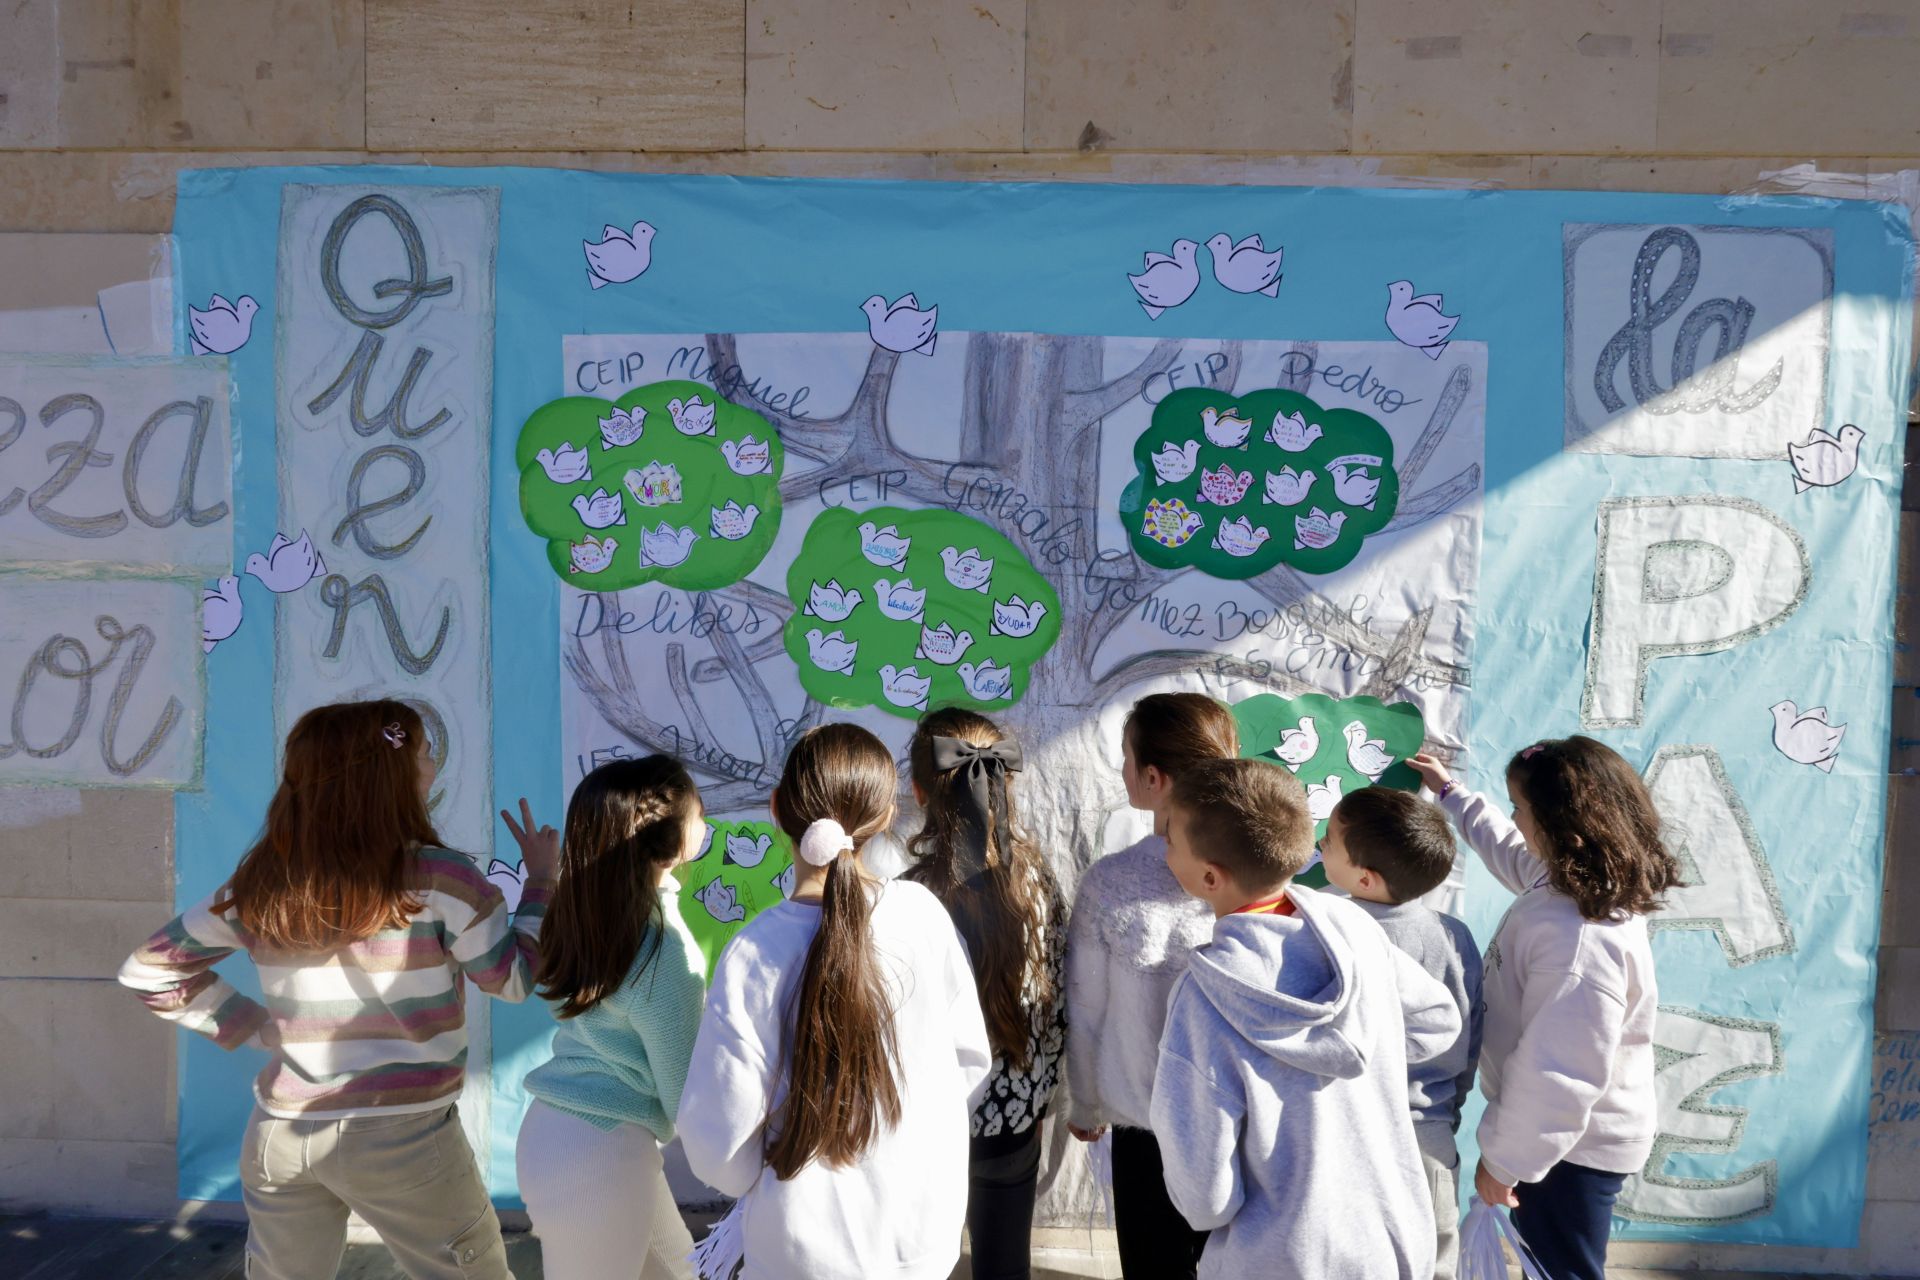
(115, 1066)
(121, 1179)
(56, 269)
(212, 73)
(27, 1060)
(29, 75)
(1890, 1236)
(1900, 910)
(105, 845)
(1189, 75)
(882, 75)
(1906, 604)
(542, 74)
(1905, 755)
(49, 938)
(1505, 76)
(1898, 997)
(1688, 175)
(1766, 76)
(115, 190)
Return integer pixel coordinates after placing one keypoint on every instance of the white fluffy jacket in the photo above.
(1128, 941)
(1566, 1061)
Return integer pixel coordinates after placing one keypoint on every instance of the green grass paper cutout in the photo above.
(960, 646)
(1191, 518)
(1266, 719)
(668, 486)
(715, 885)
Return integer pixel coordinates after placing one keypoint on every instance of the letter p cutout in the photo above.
(1676, 576)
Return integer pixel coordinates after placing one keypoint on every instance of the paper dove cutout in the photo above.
(901, 326)
(967, 570)
(1322, 796)
(1224, 429)
(1245, 267)
(569, 466)
(691, 417)
(1317, 530)
(666, 546)
(1297, 746)
(1806, 738)
(743, 852)
(1293, 432)
(940, 644)
(1287, 487)
(591, 556)
(906, 688)
(832, 651)
(1015, 617)
(1367, 755)
(224, 327)
(1823, 460)
(784, 882)
(1239, 537)
(884, 547)
(599, 510)
(1174, 465)
(1355, 488)
(718, 897)
(830, 603)
(750, 457)
(623, 427)
(509, 879)
(619, 256)
(732, 522)
(986, 682)
(899, 601)
(1167, 280)
(288, 565)
(1417, 321)
(220, 612)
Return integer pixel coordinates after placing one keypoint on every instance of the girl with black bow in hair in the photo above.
(1010, 914)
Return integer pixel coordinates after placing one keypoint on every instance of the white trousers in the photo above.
(599, 1200)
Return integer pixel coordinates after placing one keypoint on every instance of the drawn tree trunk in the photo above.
(1029, 443)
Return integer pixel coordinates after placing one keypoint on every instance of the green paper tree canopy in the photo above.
(695, 508)
(719, 893)
(1233, 485)
(906, 610)
(1309, 734)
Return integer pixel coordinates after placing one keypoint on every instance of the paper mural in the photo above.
(705, 498)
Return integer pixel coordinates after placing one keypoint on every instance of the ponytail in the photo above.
(842, 1056)
(992, 880)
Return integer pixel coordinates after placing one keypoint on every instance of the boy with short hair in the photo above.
(1283, 1064)
(1387, 848)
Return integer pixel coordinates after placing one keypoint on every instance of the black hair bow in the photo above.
(986, 770)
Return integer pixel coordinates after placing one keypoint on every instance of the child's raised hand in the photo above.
(1433, 774)
(539, 846)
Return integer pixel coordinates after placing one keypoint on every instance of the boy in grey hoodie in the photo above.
(1283, 1067)
(1385, 849)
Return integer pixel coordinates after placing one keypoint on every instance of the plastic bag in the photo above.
(1482, 1232)
(720, 1254)
(1100, 1166)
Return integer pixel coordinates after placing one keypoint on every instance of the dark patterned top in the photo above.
(1015, 1100)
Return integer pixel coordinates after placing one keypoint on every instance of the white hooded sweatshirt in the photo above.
(1566, 1058)
(1283, 1091)
(897, 1211)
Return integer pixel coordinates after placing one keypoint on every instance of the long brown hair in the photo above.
(1172, 732)
(335, 864)
(627, 819)
(841, 1055)
(999, 897)
(1597, 821)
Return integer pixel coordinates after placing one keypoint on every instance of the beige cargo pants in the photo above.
(411, 1177)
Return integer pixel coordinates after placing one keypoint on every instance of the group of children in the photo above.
(867, 1067)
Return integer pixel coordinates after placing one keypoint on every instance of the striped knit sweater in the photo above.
(373, 1026)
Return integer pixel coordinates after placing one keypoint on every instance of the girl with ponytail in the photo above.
(1005, 902)
(840, 1053)
(627, 980)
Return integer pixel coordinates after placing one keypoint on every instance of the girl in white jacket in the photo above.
(840, 1053)
(1566, 1059)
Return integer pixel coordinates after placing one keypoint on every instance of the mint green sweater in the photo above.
(624, 1061)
